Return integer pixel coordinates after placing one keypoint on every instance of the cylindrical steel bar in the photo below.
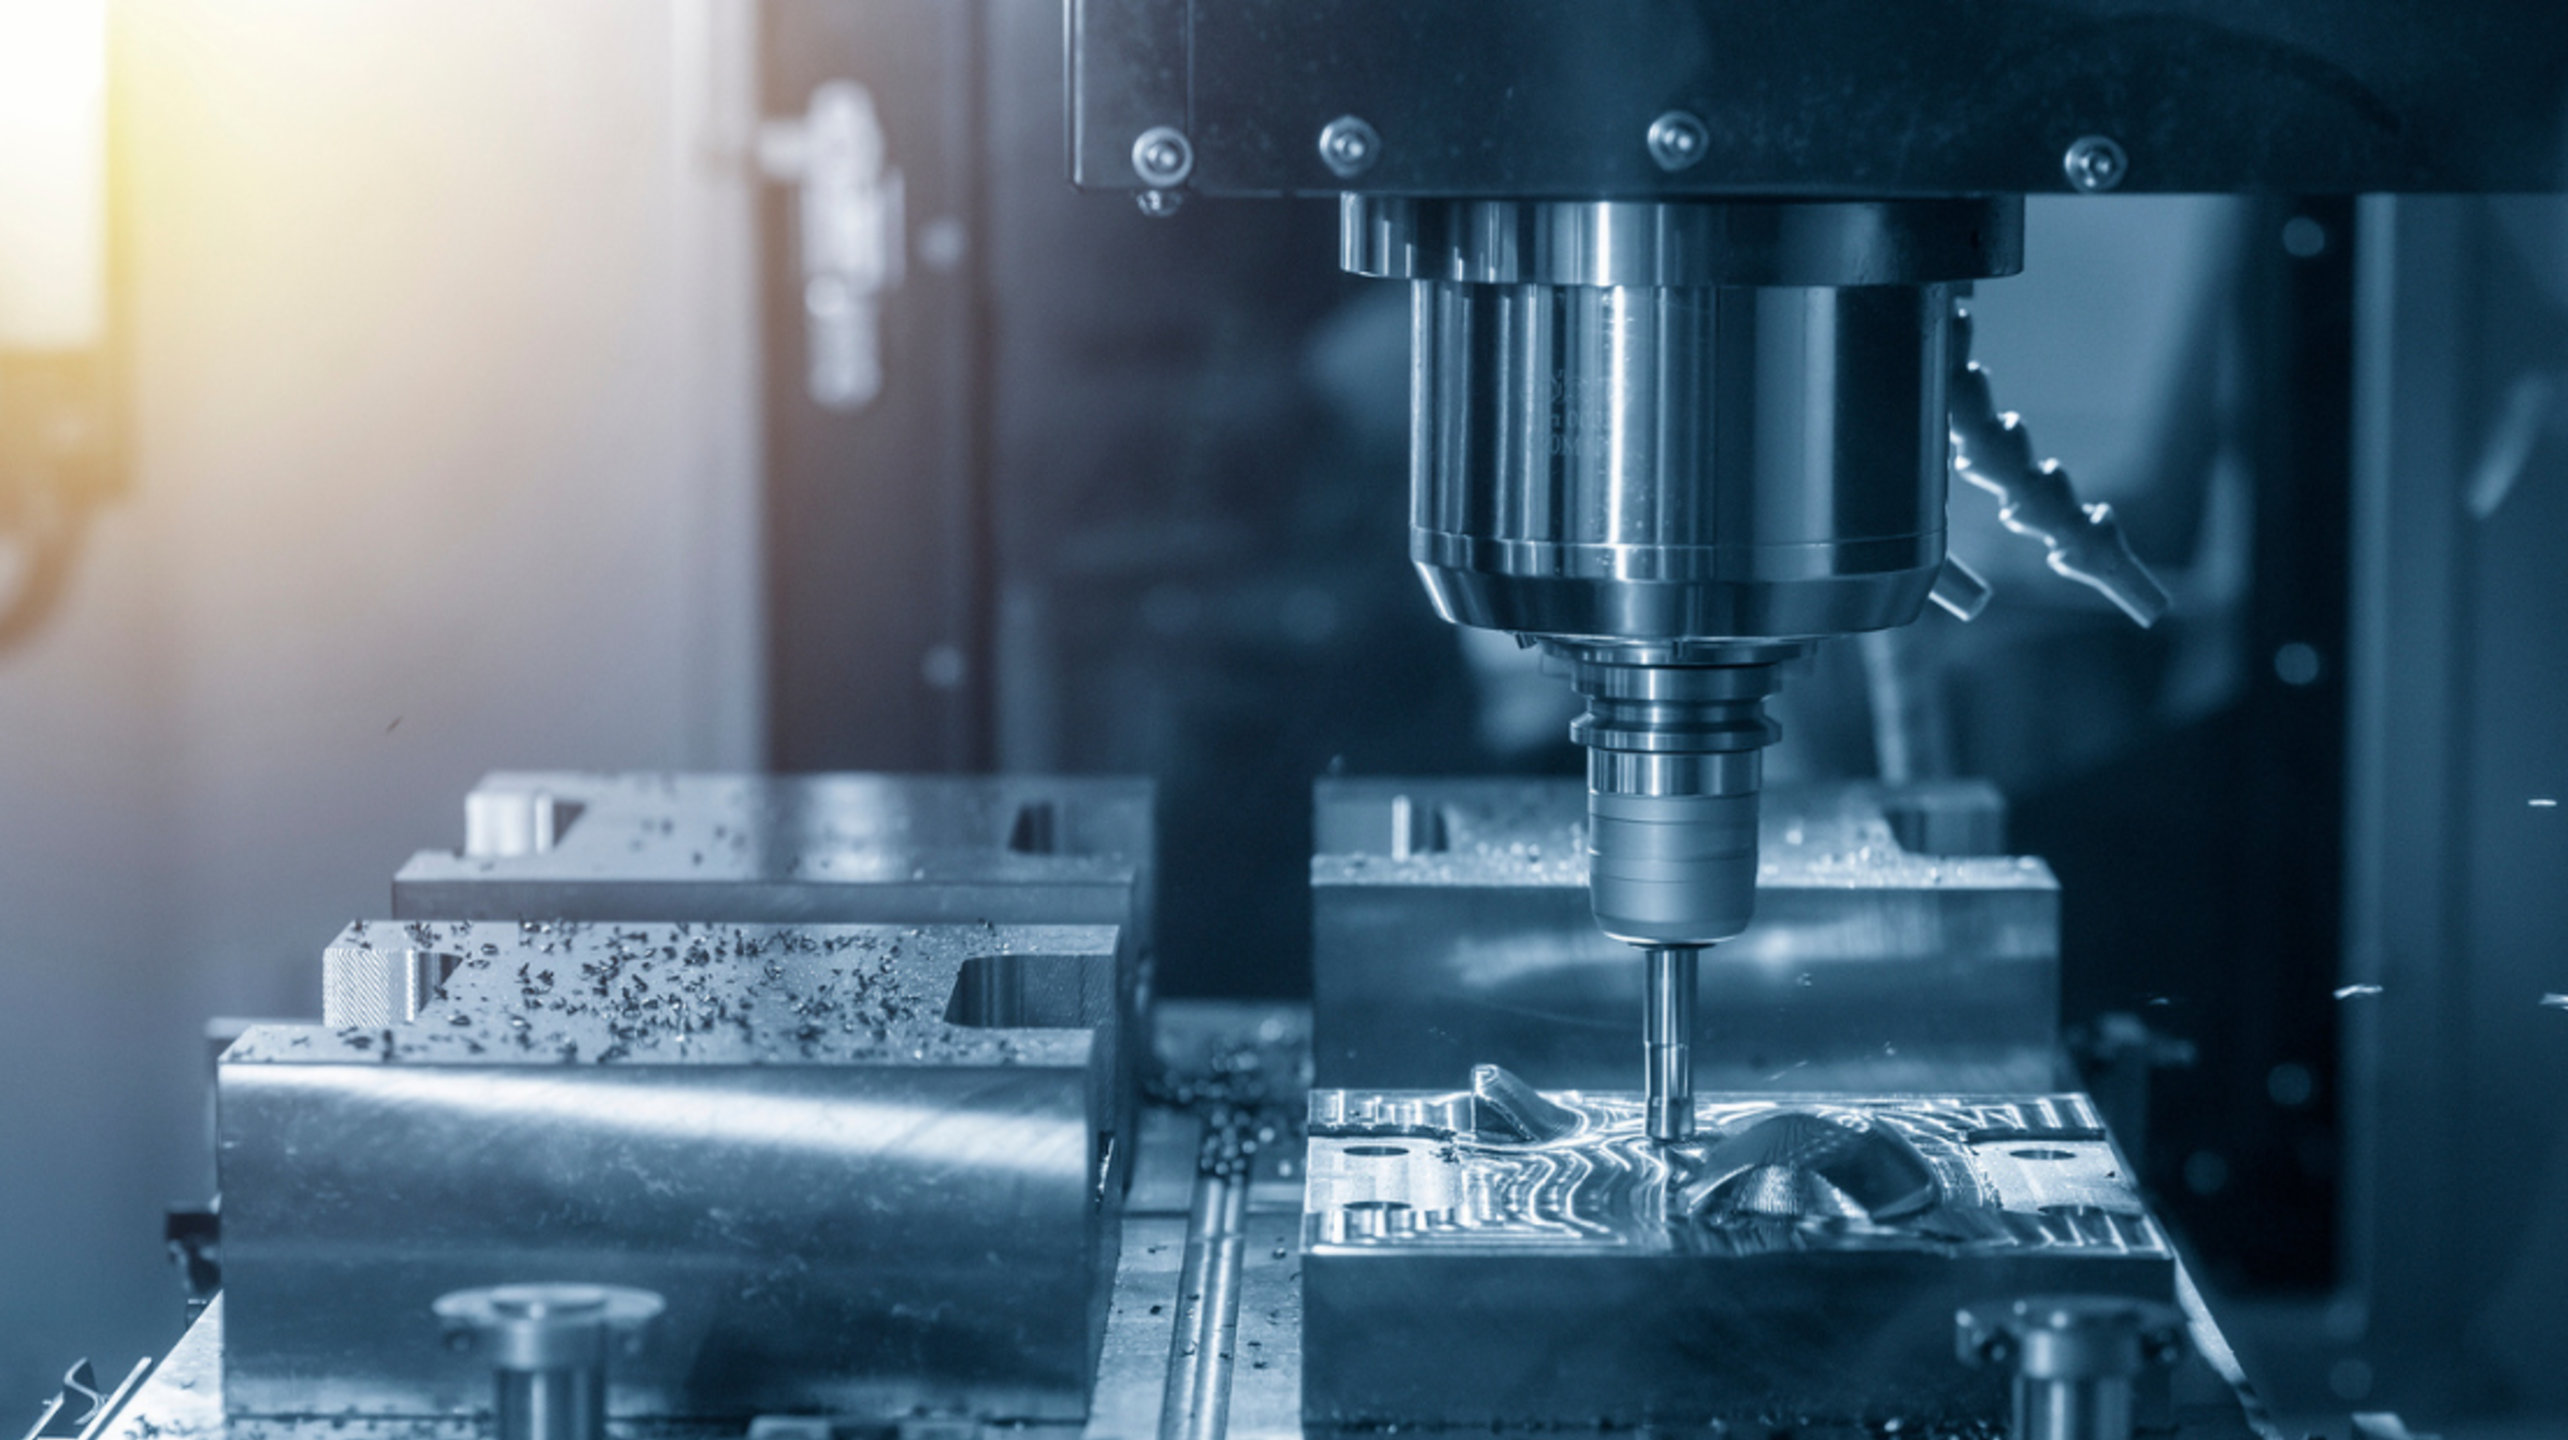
(568, 1403)
(2089, 1409)
(1667, 1041)
(1196, 1405)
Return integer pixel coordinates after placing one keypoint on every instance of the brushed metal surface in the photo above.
(1802, 1257)
(182, 1399)
(1451, 928)
(374, 985)
(871, 1168)
(813, 849)
(837, 849)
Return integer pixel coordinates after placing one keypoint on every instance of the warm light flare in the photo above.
(53, 174)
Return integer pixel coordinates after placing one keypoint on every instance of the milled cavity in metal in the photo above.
(1818, 1245)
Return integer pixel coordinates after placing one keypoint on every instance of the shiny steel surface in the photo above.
(1201, 1354)
(182, 1399)
(812, 849)
(1631, 463)
(2074, 1358)
(1673, 771)
(377, 985)
(836, 849)
(548, 1347)
(1466, 938)
(869, 1167)
(1641, 428)
(1667, 1040)
(1816, 1245)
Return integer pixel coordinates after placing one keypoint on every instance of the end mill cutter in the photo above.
(1667, 1024)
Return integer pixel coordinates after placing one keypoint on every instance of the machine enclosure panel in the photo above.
(1845, 98)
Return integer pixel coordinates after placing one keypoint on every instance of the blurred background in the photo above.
(393, 393)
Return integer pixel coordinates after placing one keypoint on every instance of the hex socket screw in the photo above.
(1349, 147)
(2095, 164)
(2074, 1356)
(548, 1347)
(1678, 140)
(1162, 156)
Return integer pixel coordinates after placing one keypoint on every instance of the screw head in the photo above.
(1160, 204)
(1349, 147)
(1678, 141)
(2095, 164)
(1162, 156)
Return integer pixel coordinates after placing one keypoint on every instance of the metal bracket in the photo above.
(848, 207)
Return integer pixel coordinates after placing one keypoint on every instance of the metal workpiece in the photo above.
(813, 849)
(548, 1348)
(382, 984)
(1793, 1158)
(827, 849)
(2075, 1358)
(1802, 1256)
(870, 1168)
(1894, 946)
(504, 821)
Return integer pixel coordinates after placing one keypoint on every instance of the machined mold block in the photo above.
(870, 1168)
(1508, 1258)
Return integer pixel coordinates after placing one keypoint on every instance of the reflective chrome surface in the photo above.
(1674, 765)
(1464, 937)
(1803, 1256)
(868, 1167)
(1661, 464)
(1667, 1040)
(1642, 430)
